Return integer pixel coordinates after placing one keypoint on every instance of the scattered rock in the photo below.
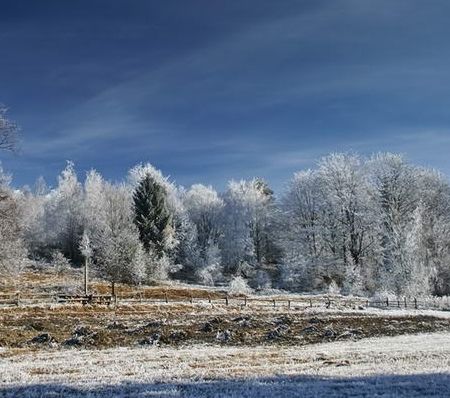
(82, 331)
(243, 321)
(284, 320)
(177, 335)
(331, 362)
(207, 327)
(223, 336)
(310, 330)
(43, 338)
(37, 326)
(211, 325)
(278, 332)
(81, 336)
(346, 335)
(315, 320)
(153, 339)
(329, 333)
(73, 342)
(117, 326)
(154, 324)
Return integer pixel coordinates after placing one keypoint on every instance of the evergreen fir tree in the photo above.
(151, 214)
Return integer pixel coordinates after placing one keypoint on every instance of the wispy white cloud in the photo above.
(270, 97)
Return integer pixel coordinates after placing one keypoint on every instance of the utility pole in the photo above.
(86, 266)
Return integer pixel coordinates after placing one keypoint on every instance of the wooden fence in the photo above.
(18, 299)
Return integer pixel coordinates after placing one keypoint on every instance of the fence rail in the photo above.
(22, 299)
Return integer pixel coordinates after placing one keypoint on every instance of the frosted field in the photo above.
(403, 366)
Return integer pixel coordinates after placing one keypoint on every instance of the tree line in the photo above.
(352, 224)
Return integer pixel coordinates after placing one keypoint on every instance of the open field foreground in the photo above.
(402, 366)
(75, 326)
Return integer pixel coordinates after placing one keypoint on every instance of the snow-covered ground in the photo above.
(403, 366)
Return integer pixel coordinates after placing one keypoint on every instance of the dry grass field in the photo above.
(404, 366)
(200, 349)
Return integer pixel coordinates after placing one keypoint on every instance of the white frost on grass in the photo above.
(405, 364)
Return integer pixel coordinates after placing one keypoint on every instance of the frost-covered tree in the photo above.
(118, 253)
(349, 216)
(32, 214)
(366, 225)
(301, 234)
(416, 270)
(325, 224)
(434, 190)
(395, 197)
(12, 253)
(204, 209)
(351, 225)
(63, 214)
(246, 243)
(94, 204)
(185, 256)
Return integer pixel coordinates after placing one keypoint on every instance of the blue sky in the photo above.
(210, 90)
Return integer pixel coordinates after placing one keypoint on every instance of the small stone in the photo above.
(310, 330)
(74, 342)
(223, 336)
(177, 335)
(207, 327)
(329, 333)
(82, 331)
(278, 332)
(43, 338)
(153, 339)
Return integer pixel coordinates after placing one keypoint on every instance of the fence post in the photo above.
(405, 303)
(191, 300)
(226, 299)
(209, 299)
(289, 304)
(18, 299)
(85, 275)
(387, 301)
(245, 301)
(310, 303)
(165, 296)
(398, 302)
(415, 303)
(274, 303)
(367, 303)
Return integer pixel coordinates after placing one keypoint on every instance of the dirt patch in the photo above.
(65, 327)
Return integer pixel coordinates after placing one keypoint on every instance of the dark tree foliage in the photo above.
(151, 214)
